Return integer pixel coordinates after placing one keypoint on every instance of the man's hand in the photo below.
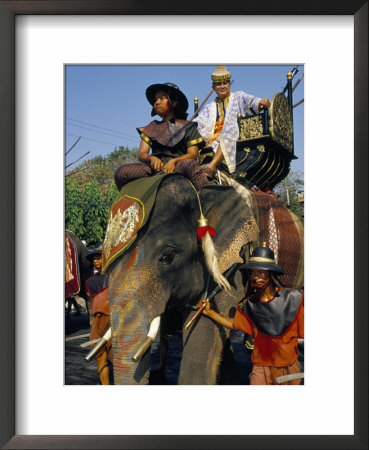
(204, 307)
(156, 163)
(205, 304)
(264, 103)
(170, 166)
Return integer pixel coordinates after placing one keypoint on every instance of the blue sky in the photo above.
(105, 103)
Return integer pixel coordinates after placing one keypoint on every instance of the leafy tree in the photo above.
(102, 168)
(90, 193)
(120, 156)
(74, 220)
(95, 215)
(113, 192)
(291, 191)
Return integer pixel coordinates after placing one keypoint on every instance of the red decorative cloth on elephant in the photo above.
(72, 276)
(283, 231)
(128, 215)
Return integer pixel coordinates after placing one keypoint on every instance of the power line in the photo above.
(101, 132)
(101, 115)
(102, 128)
(95, 140)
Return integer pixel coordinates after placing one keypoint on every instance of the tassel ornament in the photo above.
(203, 227)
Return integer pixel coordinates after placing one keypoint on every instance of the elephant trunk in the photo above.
(129, 329)
(130, 317)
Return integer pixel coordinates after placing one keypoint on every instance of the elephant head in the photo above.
(166, 268)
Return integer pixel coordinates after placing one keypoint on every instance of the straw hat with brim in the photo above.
(97, 250)
(262, 258)
(174, 93)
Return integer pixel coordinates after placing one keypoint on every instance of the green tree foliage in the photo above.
(112, 193)
(74, 220)
(95, 213)
(291, 192)
(90, 191)
(102, 168)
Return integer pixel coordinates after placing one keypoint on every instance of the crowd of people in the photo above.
(271, 315)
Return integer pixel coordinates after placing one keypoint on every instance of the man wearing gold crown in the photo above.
(274, 317)
(217, 123)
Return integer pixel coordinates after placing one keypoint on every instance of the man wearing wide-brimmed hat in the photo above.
(170, 145)
(218, 120)
(97, 289)
(274, 317)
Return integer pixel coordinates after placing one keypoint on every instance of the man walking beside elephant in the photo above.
(97, 288)
(273, 316)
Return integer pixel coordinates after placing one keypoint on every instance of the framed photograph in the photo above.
(108, 138)
(38, 40)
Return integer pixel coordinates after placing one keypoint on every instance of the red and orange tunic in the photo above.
(275, 326)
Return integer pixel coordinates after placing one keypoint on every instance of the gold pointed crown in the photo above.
(220, 74)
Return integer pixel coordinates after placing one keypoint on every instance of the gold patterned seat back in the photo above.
(278, 129)
(280, 123)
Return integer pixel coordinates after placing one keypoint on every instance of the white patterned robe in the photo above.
(239, 102)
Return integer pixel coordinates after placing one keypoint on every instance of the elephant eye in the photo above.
(167, 257)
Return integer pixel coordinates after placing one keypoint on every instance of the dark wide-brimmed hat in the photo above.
(262, 258)
(174, 92)
(97, 250)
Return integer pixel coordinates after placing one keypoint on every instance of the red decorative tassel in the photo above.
(201, 231)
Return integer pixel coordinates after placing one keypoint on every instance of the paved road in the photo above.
(77, 370)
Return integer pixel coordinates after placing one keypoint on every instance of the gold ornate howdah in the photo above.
(251, 128)
(280, 123)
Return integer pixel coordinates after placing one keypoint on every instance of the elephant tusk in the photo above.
(149, 339)
(103, 341)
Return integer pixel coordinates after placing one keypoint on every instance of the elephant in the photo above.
(76, 274)
(166, 269)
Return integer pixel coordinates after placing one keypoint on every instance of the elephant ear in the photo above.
(231, 217)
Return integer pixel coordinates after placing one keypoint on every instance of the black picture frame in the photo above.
(8, 10)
